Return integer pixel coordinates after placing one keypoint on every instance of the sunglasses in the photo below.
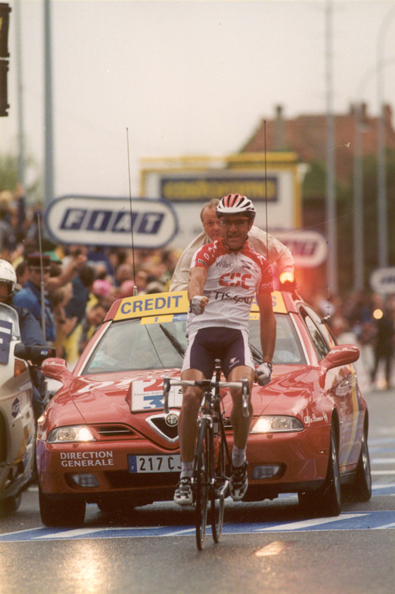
(237, 222)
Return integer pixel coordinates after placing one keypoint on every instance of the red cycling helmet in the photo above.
(234, 204)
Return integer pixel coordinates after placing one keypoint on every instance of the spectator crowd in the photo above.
(82, 282)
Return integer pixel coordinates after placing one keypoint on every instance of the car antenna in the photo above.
(267, 233)
(42, 288)
(131, 218)
(328, 306)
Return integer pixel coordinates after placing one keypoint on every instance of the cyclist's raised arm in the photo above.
(195, 290)
(267, 326)
(197, 280)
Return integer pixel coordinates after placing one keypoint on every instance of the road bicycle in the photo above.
(212, 464)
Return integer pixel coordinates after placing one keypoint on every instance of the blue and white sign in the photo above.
(89, 220)
(382, 281)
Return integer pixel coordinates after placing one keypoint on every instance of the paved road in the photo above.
(268, 546)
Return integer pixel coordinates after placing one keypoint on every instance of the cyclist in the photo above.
(225, 276)
(268, 246)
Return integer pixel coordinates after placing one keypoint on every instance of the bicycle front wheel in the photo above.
(220, 490)
(202, 480)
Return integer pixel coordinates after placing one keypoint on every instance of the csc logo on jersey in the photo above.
(234, 279)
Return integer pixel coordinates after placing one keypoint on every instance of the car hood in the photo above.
(288, 391)
(114, 398)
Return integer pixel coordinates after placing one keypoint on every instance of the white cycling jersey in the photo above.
(268, 246)
(233, 279)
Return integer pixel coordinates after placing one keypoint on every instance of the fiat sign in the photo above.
(88, 220)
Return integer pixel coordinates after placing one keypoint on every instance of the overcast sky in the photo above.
(185, 77)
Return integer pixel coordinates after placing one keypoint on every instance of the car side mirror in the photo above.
(36, 354)
(56, 369)
(341, 354)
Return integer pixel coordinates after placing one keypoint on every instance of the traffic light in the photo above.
(4, 55)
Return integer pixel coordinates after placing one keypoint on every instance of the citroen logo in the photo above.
(171, 420)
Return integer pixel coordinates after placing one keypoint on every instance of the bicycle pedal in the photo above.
(221, 489)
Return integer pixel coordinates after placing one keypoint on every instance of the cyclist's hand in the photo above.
(198, 304)
(263, 374)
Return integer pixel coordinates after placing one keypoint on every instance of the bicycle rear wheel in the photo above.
(219, 492)
(202, 476)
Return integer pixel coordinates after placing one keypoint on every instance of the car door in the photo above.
(344, 387)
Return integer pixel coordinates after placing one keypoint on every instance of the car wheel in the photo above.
(327, 500)
(361, 489)
(10, 505)
(62, 513)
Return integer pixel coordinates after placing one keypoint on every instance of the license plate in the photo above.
(147, 464)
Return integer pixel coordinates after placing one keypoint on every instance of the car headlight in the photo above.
(277, 424)
(71, 433)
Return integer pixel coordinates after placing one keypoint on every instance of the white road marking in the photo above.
(313, 522)
(385, 527)
(181, 532)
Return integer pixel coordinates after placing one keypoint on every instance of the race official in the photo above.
(225, 277)
(29, 296)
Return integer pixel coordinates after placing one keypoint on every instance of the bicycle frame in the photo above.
(209, 478)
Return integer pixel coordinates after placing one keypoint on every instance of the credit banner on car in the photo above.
(90, 220)
(152, 305)
(162, 307)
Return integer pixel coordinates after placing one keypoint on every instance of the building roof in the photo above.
(306, 135)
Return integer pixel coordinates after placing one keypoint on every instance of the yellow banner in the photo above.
(167, 304)
(158, 304)
(200, 188)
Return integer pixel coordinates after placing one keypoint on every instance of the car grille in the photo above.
(111, 431)
(158, 423)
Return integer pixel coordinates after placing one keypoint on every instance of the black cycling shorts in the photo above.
(208, 344)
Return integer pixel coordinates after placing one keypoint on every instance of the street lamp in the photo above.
(358, 201)
(49, 152)
(381, 162)
(359, 275)
(330, 159)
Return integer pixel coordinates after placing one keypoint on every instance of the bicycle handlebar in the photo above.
(206, 385)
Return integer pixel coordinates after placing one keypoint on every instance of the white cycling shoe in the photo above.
(238, 482)
(183, 495)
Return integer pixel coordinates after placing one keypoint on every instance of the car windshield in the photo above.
(130, 345)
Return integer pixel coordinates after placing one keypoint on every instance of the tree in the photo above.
(314, 216)
(9, 177)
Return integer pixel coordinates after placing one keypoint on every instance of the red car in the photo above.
(104, 437)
